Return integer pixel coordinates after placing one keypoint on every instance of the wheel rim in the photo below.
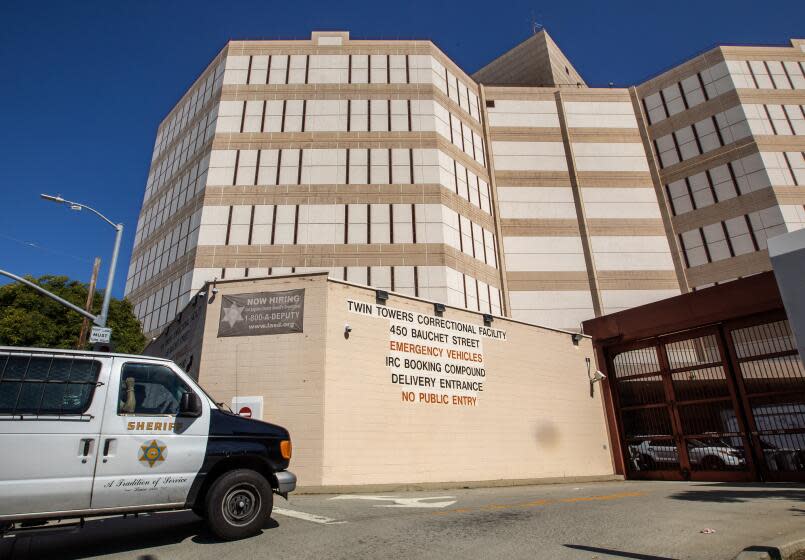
(241, 504)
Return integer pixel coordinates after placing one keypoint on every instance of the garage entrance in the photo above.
(725, 401)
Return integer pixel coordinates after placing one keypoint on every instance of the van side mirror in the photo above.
(190, 405)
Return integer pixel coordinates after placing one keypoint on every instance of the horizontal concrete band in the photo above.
(604, 179)
(424, 486)
(714, 56)
(180, 266)
(720, 156)
(262, 92)
(176, 174)
(347, 254)
(342, 140)
(579, 280)
(548, 134)
(531, 227)
(772, 96)
(695, 114)
(350, 46)
(515, 93)
(680, 72)
(348, 194)
(735, 267)
(738, 206)
(320, 194)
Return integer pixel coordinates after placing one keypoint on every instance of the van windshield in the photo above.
(218, 405)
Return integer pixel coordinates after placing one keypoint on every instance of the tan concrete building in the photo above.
(392, 393)
(728, 132)
(518, 191)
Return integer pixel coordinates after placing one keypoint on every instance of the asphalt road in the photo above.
(637, 520)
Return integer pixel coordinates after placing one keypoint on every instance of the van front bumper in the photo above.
(286, 482)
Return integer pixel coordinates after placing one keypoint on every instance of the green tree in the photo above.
(29, 318)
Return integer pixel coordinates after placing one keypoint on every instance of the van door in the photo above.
(148, 455)
(51, 408)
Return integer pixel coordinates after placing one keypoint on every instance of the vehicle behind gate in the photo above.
(88, 434)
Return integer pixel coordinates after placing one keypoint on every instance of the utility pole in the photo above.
(82, 338)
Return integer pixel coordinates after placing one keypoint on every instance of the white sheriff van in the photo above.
(86, 434)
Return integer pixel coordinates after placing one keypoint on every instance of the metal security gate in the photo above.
(726, 402)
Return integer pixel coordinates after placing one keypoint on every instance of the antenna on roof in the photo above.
(536, 27)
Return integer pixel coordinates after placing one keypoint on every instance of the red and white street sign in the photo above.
(248, 407)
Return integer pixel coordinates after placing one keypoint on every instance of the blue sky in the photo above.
(86, 83)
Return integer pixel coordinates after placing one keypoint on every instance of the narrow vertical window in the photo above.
(299, 168)
(228, 226)
(701, 85)
(391, 223)
(369, 224)
(279, 167)
(251, 226)
(237, 163)
(273, 227)
(296, 225)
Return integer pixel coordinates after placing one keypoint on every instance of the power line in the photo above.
(35, 245)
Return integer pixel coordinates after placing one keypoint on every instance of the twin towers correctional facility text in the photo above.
(432, 360)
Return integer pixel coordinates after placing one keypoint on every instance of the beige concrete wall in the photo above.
(286, 369)
(534, 418)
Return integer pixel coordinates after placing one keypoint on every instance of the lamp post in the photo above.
(101, 320)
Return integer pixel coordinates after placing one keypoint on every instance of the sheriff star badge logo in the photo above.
(233, 314)
(153, 452)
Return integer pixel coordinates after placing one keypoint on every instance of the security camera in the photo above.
(201, 294)
(597, 376)
(214, 291)
(347, 328)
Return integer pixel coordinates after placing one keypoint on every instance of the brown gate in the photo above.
(725, 402)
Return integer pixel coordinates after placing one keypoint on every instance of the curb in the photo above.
(430, 486)
(781, 548)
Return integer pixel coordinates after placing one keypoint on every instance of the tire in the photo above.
(712, 463)
(238, 504)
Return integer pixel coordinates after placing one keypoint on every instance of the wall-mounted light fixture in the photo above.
(439, 308)
(576, 338)
(381, 295)
(488, 319)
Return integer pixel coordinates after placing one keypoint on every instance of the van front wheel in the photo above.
(238, 504)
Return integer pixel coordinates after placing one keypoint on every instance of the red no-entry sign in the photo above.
(245, 411)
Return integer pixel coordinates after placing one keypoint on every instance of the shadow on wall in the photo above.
(728, 493)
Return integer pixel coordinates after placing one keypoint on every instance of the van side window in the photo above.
(46, 385)
(149, 389)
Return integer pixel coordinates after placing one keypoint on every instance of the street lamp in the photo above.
(101, 320)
